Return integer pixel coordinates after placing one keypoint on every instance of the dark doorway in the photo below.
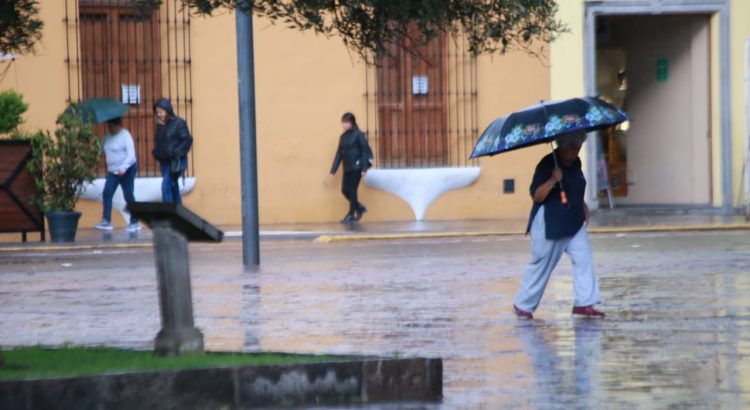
(658, 69)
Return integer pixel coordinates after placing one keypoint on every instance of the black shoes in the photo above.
(360, 211)
(354, 216)
(349, 218)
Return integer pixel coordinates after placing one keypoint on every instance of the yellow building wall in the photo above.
(506, 83)
(42, 78)
(304, 83)
(566, 53)
(740, 26)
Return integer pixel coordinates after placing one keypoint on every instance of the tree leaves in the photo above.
(371, 27)
(20, 26)
(368, 27)
(12, 108)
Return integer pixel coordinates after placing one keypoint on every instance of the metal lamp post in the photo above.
(248, 150)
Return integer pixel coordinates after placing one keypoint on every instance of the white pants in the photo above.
(545, 254)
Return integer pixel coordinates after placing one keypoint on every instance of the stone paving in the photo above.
(677, 333)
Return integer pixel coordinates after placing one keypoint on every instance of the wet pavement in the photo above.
(677, 334)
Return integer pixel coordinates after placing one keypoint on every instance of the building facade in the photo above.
(421, 116)
(679, 68)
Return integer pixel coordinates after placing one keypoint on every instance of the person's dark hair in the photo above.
(115, 121)
(349, 117)
(165, 105)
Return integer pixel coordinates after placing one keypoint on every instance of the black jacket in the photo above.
(173, 140)
(354, 151)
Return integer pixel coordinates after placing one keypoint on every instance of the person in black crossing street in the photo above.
(172, 143)
(356, 154)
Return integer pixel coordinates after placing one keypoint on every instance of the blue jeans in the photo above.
(170, 190)
(127, 182)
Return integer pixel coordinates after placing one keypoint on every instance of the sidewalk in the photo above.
(604, 221)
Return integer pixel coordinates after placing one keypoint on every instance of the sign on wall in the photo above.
(131, 94)
(662, 70)
(419, 85)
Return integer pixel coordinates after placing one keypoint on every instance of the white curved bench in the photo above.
(420, 187)
(147, 189)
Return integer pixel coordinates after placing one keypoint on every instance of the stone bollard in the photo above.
(172, 227)
(178, 333)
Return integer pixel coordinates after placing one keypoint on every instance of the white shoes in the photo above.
(104, 225)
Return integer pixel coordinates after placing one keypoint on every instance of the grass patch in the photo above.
(41, 362)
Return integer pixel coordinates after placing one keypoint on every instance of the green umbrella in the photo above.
(101, 109)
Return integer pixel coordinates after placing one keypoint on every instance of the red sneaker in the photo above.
(522, 314)
(587, 311)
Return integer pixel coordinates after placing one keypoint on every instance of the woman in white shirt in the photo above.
(119, 152)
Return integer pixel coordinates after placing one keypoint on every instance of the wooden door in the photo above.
(120, 52)
(413, 106)
(17, 188)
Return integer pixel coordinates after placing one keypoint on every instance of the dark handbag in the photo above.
(175, 166)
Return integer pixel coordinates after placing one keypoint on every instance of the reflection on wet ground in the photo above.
(677, 332)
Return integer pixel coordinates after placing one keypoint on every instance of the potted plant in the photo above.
(61, 165)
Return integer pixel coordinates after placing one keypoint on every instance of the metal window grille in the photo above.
(422, 107)
(115, 50)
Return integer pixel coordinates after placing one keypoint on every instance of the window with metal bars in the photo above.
(116, 50)
(422, 106)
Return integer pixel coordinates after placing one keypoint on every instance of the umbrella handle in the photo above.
(563, 195)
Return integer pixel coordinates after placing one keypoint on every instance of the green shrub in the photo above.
(12, 108)
(61, 165)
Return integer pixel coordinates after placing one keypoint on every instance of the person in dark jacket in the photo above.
(558, 227)
(171, 146)
(356, 154)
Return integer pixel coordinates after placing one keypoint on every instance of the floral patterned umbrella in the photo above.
(546, 121)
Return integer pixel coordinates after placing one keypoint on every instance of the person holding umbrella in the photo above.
(559, 215)
(119, 152)
(556, 227)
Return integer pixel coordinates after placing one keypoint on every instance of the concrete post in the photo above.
(178, 333)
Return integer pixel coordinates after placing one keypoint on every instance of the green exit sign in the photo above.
(662, 70)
